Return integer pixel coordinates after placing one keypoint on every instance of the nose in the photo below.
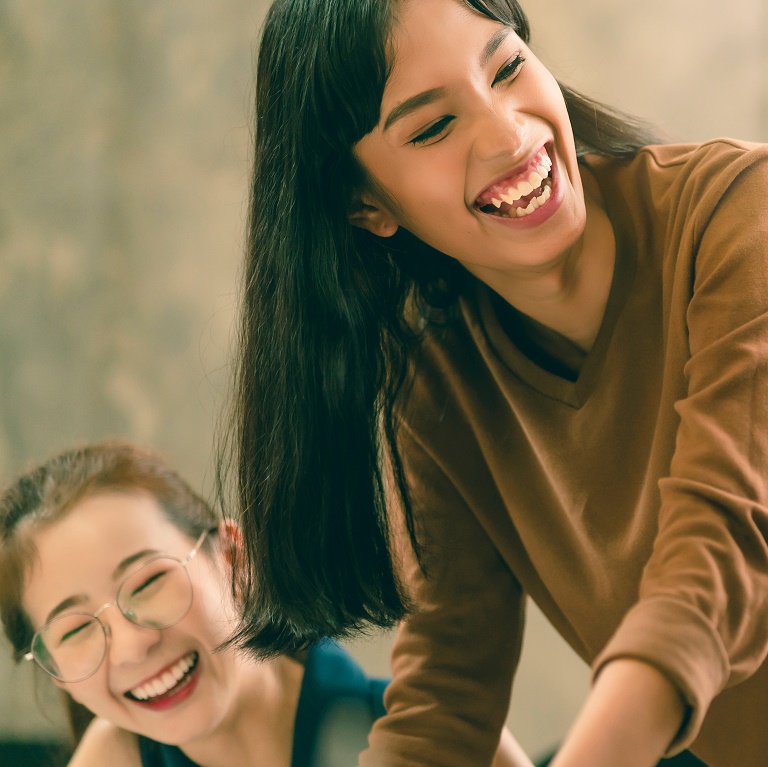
(498, 132)
(128, 643)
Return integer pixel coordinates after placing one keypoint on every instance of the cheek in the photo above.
(429, 192)
(215, 612)
(89, 693)
(420, 181)
(557, 114)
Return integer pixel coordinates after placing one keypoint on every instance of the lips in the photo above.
(520, 193)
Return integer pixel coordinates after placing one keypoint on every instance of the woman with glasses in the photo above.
(116, 580)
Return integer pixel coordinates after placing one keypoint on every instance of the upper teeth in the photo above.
(525, 185)
(162, 683)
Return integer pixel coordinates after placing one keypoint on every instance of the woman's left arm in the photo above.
(701, 621)
(631, 716)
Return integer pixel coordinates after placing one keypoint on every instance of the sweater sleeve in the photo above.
(455, 656)
(702, 613)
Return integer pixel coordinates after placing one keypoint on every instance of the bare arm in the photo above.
(104, 743)
(631, 716)
(510, 753)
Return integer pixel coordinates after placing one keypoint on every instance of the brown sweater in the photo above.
(630, 503)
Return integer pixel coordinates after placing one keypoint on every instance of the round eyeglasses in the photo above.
(156, 595)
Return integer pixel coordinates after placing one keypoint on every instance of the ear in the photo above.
(230, 541)
(368, 213)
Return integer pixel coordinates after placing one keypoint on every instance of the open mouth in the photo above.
(519, 195)
(166, 684)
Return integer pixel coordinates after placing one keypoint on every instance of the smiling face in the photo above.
(166, 684)
(474, 144)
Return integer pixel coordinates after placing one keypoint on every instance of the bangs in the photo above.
(507, 12)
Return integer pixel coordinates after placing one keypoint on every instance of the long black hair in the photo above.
(323, 343)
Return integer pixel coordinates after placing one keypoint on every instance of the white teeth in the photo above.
(166, 681)
(535, 180)
(525, 188)
(535, 203)
(542, 167)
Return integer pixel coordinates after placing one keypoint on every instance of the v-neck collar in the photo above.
(574, 393)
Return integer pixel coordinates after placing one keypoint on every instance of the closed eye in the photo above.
(75, 631)
(155, 580)
(510, 70)
(433, 130)
(507, 73)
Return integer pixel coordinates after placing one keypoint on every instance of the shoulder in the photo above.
(707, 169)
(104, 743)
(668, 196)
(336, 710)
(689, 177)
(717, 151)
(332, 671)
(715, 156)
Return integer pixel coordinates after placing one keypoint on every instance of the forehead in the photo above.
(434, 39)
(117, 519)
(78, 553)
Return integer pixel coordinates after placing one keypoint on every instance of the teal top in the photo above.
(337, 705)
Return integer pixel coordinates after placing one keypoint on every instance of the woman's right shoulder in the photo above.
(105, 743)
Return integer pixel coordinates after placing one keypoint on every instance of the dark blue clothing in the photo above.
(337, 705)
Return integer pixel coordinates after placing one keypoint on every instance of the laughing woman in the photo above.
(486, 311)
(115, 578)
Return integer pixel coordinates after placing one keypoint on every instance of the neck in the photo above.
(260, 729)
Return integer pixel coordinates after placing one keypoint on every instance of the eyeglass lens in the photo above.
(157, 595)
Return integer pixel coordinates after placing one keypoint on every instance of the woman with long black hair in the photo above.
(496, 341)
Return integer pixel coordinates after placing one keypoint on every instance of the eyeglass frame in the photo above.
(30, 654)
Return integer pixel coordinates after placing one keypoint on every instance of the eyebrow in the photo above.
(499, 36)
(412, 104)
(128, 561)
(78, 599)
(66, 604)
(432, 95)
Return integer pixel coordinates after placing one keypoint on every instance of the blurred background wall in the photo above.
(124, 131)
